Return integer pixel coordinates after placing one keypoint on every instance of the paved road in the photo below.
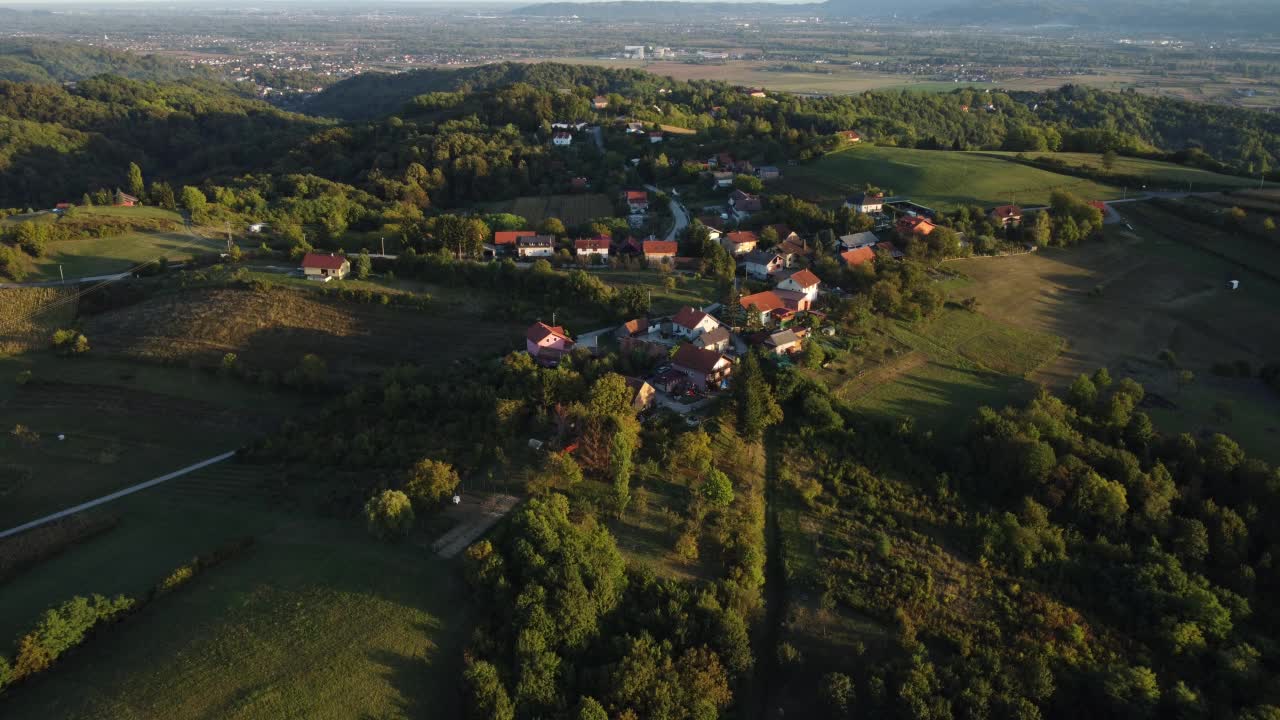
(677, 212)
(117, 495)
(68, 281)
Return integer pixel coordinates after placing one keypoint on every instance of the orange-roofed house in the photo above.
(505, 241)
(325, 266)
(914, 225)
(637, 200)
(851, 136)
(857, 256)
(1007, 215)
(659, 252)
(803, 282)
(600, 102)
(739, 242)
(778, 305)
(547, 343)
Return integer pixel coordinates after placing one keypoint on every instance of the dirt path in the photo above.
(478, 513)
(761, 701)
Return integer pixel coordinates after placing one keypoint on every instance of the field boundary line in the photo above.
(116, 495)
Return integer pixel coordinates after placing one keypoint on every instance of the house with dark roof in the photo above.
(865, 202)
(690, 322)
(547, 343)
(642, 394)
(125, 200)
(714, 224)
(535, 246)
(325, 266)
(718, 340)
(1006, 215)
(703, 369)
(721, 179)
(857, 240)
(768, 173)
(783, 342)
(745, 203)
(763, 264)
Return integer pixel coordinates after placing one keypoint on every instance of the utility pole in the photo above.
(229, 242)
(61, 278)
(384, 246)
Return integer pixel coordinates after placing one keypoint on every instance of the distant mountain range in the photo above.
(1181, 16)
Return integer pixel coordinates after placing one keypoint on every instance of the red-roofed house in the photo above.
(914, 225)
(777, 304)
(703, 368)
(125, 200)
(1006, 215)
(803, 282)
(597, 246)
(547, 343)
(740, 242)
(857, 256)
(505, 240)
(850, 136)
(325, 266)
(637, 200)
(690, 322)
(599, 102)
(658, 252)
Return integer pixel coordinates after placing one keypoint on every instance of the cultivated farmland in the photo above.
(939, 179)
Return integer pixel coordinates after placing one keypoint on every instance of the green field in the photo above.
(1160, 175)
(123, 424)
(939, 179)
(315, 621)
(88, 257)
(940, 370)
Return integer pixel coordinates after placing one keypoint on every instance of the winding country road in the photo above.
(677, 212)
(117, 495)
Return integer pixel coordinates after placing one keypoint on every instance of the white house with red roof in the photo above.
(803, 282)
(1007, 215)
(690, 322)
(325, 266)
(660, 252)
(587, 247)
(637, 200)
(547, 343)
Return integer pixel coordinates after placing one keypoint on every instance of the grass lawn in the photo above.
(688, 291)
(141, 211)
(123, 423)
(315, 621)
(939, 179)
(940, 370)
(1161, 175)
(87, 257)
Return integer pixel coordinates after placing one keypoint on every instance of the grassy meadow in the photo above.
(939, 179)
(940, 370)
(1159, 175)
(123, 424)
(316, 620)
(1120, 301)
(688, 291)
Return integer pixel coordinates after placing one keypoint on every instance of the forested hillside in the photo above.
(41, 61)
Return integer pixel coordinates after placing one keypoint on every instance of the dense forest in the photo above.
(41, 61)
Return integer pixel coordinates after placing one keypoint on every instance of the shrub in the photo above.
(70, 342)
(389, 515)
(430, 482)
